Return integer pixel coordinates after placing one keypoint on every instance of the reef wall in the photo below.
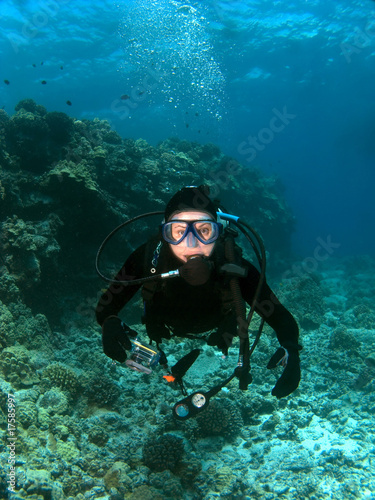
(65, 183)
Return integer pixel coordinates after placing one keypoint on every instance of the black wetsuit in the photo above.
(173, 305)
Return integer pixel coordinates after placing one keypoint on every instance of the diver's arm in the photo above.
(118, 295)
(269, 307)
(286, 328)
(278, 318)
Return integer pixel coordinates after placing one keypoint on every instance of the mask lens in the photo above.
(175, 232)
(206, 231)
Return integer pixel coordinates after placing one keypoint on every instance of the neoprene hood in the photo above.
(191, 198)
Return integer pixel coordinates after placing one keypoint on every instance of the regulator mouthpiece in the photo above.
(196, 271)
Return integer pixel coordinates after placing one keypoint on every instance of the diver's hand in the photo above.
(289, 380)
(115, 338)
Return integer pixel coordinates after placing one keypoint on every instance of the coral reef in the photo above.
(304, 295)
(97, 435)
(221, 418)
(35, 137)
(117, 477)
(27, 245)
(17, 367)
(19, 325)
(62, 377)
(89, 429)
(341, 339)
(101, 390)
(163, 452)
(7, 325)
(53, 401)
(27, 413)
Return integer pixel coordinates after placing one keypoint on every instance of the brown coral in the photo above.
(17, 367)
(221, 418)
(62, 377)
(164, 452)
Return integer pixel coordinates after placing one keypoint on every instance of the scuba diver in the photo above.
(206, 295)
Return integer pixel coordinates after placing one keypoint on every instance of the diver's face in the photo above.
(190, 246)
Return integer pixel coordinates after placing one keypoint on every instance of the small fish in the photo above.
(124, 97)
(7, 82)
(196, 114)
(34, 65)
(61, 67)
(187, 125)
(41, 63)
(43, 82)
(69, 103)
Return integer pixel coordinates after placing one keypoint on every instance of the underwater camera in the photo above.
(143, 357)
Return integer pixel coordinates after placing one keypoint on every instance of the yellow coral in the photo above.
(67, 451)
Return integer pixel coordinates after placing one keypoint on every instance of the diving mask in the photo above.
(206, 231)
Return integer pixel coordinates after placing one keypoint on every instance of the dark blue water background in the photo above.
(222, 72)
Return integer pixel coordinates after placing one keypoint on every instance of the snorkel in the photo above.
(198, 401)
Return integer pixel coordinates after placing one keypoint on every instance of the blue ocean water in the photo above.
(287, 87)
(218, 71)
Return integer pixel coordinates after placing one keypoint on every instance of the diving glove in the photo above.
(115, 338)
(289, 380)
